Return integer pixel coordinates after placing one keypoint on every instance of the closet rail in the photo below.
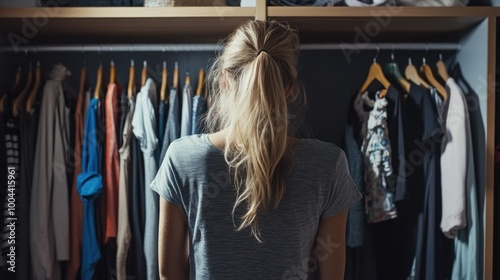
(215, 47)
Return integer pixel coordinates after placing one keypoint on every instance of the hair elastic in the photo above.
(262, 50)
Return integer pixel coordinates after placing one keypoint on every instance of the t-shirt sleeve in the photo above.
(166, 182)
(343, 193)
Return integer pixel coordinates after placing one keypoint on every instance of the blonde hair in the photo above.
(249, 82)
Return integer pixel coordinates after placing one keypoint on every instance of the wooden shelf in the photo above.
(209, 24)
(126, 24)
(382, 24)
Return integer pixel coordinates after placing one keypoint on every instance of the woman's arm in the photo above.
(329, 250)
(172, 242)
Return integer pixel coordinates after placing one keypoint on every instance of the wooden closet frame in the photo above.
(316, 24)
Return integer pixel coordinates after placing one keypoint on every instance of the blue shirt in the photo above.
(89, 187)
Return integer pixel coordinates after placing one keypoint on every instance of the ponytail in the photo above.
(249, 83)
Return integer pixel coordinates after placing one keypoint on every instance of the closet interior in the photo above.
(339, 46)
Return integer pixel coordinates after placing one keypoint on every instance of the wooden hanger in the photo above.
(34, 91)
(17, 79)
(97, 92)
(188, 79)
(131, 80)
(144, 74)
(3, 100)
(175, 83)
(376, 73)
(392, 69)
(163, 89)
(441, 69)
(430, 78)
(112, 72)
(411, 74)
(201, 79)
(20, 97)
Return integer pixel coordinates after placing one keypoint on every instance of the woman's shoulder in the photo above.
(319, 148)
(189, 148)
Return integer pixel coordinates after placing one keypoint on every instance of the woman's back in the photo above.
(195, 176)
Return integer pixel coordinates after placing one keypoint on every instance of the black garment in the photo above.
(122, 116)
(136, 206)
(356, 217)
(434, 252)
(28, 132)
(396, 136)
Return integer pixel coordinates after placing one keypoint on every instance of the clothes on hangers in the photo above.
(173, 127)
(376, 148)
(124, 232)
(112, 164)
(89, 186)
(467, 260)
(144, 128)
(356, 217)
(162, 122)
(199, 108)
(187, 110)
(49, 219)
(76, 219)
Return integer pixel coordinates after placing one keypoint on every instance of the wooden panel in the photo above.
(490, 151)
(398, 11)
(261, 10)
(123, 25)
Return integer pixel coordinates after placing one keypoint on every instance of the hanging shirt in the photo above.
(433, 254)
(355, 227)
(90, 185)
(199, 108)
(396, 136)
(76, 229)
(467, 263)
(137, 208)
(187, 110)
(162, 122)
(112, 164)
(454, 164)
(376, 148)
(124, 233)
(144, 128)
(49, 218)
(195, 176)
(173, 127)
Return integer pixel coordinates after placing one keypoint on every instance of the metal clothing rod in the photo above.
(214, 47)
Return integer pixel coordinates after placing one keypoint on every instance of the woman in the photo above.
(247, 201)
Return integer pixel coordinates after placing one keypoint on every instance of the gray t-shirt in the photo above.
(195, 176)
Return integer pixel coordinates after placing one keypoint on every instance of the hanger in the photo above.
(188, 79)
(97, 92)
(441, 69)
(3, 100)
(201, 78)
(411, 74)
(392, 69)
(34, 90)
(430, 78)
(20, 97)
(144, 74)
(131, 80)
(163, 89)
(17, 79)
(112, 72)
(376, 73)
(176, 76)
